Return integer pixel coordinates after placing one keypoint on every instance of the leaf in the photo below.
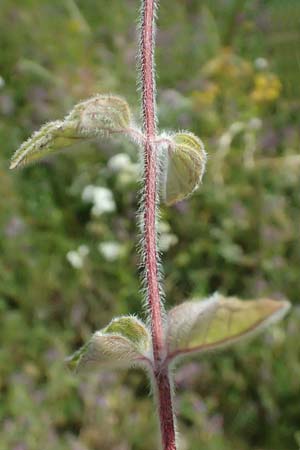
(198, 326)
(125, 342)
(100, 115)
(50, 138)
(131, 328)
(184, 167)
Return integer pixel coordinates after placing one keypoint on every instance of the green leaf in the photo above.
(100, 115)
(125, 342)
(50, 138)
(184, 168)
(198, 326)
(131, 328)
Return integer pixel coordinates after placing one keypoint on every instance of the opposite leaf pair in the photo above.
(193, 326)
(182, 162)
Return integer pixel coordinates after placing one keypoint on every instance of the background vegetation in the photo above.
(229, 71)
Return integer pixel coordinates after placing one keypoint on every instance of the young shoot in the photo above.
(173, 167)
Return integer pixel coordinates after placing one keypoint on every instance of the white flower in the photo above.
(76, 257)
(129, 175)
(88, 193)
(83, 250)
(119, 162)
(103, 202)
(163, 227)
(166, 239)
(101, 197)
(128, 171)
(2, 82)
(110, 250)
(261, 63)
(255, 123)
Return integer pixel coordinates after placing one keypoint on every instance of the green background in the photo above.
(219, 63)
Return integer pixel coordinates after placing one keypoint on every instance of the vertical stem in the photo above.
(150, 161)
(161, 375)
(166, 416)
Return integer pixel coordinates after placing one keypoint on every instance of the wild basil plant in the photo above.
(173, 166)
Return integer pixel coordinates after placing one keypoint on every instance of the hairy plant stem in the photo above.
(161, 374)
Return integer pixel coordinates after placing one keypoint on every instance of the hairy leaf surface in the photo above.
(184, 167)
(198, 326)
(125, 342)
(100, 115)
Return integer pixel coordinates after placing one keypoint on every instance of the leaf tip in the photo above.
(13, 165)
(280, 308)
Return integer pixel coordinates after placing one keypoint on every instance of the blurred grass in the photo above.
(221, 64)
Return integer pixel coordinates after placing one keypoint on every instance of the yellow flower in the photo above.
(267, 88)
(74, 25)
(228, 66)
(207, 96)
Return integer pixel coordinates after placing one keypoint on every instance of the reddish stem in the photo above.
(166, 416)
(161, 375)
(148, 100)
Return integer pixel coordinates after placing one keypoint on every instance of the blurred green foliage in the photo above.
(228, 71)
